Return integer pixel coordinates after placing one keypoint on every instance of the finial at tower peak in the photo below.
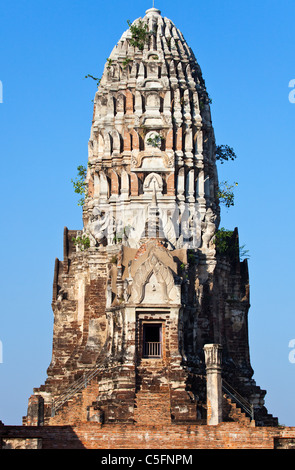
(153, 10)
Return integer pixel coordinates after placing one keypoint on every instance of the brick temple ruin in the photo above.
(150, 339)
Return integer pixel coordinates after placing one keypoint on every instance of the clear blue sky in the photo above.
(246, 51)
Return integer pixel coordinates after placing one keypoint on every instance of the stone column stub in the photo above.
(213, 356)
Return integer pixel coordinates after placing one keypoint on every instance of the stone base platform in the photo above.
(128, 436)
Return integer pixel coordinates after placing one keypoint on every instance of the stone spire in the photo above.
(152, 126)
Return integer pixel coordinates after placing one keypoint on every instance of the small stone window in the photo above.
(152, 340)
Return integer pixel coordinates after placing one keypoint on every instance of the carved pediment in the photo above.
(152, 158)
(153, 279)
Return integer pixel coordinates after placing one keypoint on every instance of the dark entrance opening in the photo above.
(152, 340)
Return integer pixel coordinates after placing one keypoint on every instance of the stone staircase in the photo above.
(74, 410)
(240, 407)
(152, 400)
(152, 408)
(232, 412)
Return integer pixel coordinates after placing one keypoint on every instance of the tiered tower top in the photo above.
(152, 134)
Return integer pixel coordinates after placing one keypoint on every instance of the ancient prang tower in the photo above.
(150, 319)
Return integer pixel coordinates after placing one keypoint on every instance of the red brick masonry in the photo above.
(121, 436)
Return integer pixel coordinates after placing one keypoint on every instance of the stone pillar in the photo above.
(214, 384)
(35, 416)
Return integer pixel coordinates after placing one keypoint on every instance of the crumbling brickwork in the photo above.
(123, 436)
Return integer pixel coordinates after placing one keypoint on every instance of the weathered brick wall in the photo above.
(152, 408)
(86, 333)
(122, 395)
(78, 304)
(116, 436)
(76, 410)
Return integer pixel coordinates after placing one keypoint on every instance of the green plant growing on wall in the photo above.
(118, 237)
(139, 34)
(109, 63)
(191, 258)
(225, 153)
(222, 240)
(244, 253)
(97, 80)
(155, 141)
(225, 193)
(82, 242)
(80, 185)
(225, 245)
(126, 62)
